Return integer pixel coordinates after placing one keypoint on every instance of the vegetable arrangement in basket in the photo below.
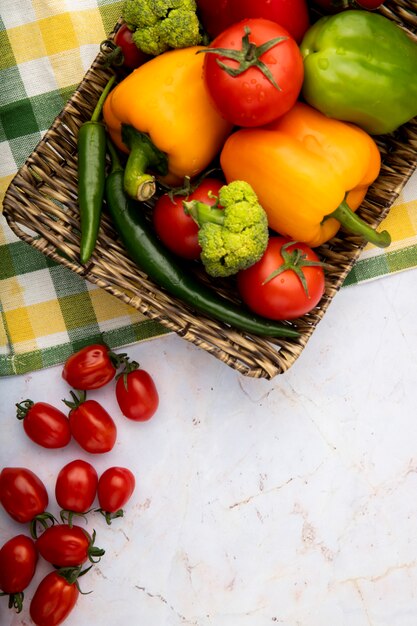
(284, 107)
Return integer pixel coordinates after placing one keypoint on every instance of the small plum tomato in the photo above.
(44, 424)
(115, 487)
(136, 393)
(18, 559)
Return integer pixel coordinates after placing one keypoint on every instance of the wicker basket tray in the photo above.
(41, 208)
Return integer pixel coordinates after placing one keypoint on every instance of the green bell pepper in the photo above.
(361, 67)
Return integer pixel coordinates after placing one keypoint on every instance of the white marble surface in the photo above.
(291, 502)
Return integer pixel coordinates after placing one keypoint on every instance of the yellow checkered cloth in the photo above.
(47, 312)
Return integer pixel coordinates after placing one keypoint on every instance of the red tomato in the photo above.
(44, 424)
(18, 558)
(283, 297)
(22, 494)
(291, 14)
(137, 395)
(115, 487)
(66, 545)
(91, 426)
(89, 368)
(132, 56)
(260, 86)
(76, 486)
(53, 600)
(177, 230)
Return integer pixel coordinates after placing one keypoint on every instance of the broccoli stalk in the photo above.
(159, 25)
(233, 234)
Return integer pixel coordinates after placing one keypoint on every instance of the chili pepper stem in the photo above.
(99, 106)
(354, 224)
(139, 184)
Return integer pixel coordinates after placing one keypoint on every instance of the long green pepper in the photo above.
(91, 146)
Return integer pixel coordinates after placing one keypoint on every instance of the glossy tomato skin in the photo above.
(89, 368)
(53, 600)
(177, 230)
(132, 56)
(22, 494)
(92, 427)
(283, 297)
(115, 487)
(76, 486)
(250, 99)
(137, 395)
(18, 559)
(47, 426)
(64, 545)
(291, 14)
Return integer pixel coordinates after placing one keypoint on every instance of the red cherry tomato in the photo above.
(89, 368)
(283, 297)
(76, 486)
(18, 558)
(177, 230)
(137, 395)
(67, 545)
(91, 426)
(22, 494)
(115, 487)
(132, 56)
(262, 92)
(53, 601)
(291, 14)
(44, 424)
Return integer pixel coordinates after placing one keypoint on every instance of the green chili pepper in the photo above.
(155, 260)
(361, 67)
(91, 145)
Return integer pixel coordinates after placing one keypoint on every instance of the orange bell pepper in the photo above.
(310, 174)
(162, 113)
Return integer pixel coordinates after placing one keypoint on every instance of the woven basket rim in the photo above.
(40, 213)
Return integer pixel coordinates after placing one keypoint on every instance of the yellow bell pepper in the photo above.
(310, 173)
(162, 115)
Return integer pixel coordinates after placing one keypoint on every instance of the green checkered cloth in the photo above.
(47, 312)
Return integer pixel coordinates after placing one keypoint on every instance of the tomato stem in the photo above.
(295, 261)
(110, 516)
(247, 56)
(44, 519)
(15, 600)
(23, 408)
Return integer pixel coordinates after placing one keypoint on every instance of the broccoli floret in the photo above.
(233, 234)
(159, 25)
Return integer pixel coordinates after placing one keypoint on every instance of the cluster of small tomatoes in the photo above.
(68, 547)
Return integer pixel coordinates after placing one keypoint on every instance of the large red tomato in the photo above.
(177, 230)
(291, 14)
(253, 72)
(286, 283)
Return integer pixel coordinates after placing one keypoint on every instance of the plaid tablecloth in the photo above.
(47, 311)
